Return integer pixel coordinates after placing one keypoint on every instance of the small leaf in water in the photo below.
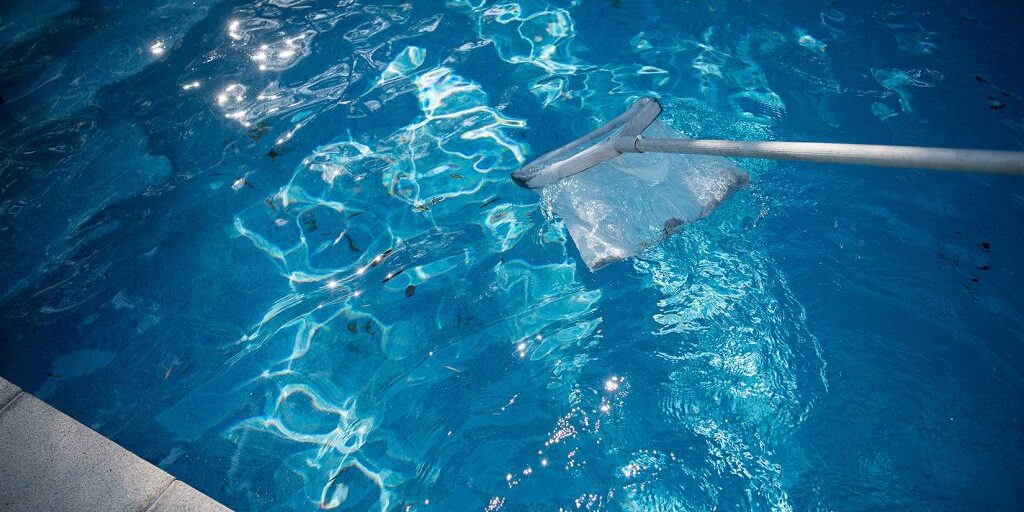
(409, 290)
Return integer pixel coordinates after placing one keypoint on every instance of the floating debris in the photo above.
(422, 207)
(351, 244)
(381, 257)
(392, 275)
(985, 246)
(180, 366)
(277, 151)
(410, 290)
(352, 327)
(241, 182)
(640, 43)
(309, 222)
(452, 368)
(994, 103)
(270, 203)
(984, 267)
(489, 201)
(340, 472)
(808, 41)
(258, 131)
(456, 176)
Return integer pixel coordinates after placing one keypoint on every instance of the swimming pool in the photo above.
(273, 247)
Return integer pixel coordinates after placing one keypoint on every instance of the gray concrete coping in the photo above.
(49, 461)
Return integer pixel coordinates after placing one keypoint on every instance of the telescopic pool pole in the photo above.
(941, 159)
(569, 160)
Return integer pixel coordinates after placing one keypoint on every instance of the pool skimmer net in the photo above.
(633, 182)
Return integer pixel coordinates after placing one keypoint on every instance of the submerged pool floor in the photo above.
(273, 248)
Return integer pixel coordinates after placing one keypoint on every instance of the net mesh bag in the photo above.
(625, 204)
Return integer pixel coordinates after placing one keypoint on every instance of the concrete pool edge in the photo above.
(49, 461)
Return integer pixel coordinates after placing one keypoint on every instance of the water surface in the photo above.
(273, 247)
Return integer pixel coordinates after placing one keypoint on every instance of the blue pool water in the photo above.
(273, 247)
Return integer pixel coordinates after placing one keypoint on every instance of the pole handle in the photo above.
(944, 159)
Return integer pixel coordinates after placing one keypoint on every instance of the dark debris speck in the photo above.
(392, 275)
(351, 243)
